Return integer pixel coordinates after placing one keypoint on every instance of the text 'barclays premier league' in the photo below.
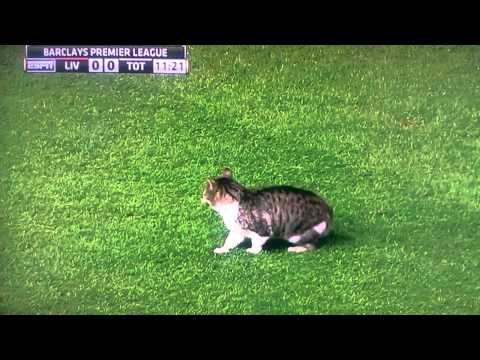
(107, 59)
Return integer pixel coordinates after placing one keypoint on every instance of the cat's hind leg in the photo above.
(302, 248)
(309, 239)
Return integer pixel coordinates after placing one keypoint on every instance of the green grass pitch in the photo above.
(101, 179)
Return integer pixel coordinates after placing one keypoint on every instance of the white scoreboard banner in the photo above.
(107, 59)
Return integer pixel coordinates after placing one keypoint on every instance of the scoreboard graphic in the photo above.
(106, 59)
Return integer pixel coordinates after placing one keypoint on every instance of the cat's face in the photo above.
(216, 191)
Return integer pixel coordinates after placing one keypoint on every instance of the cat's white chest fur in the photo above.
(229, 213)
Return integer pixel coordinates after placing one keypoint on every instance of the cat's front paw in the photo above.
(254, 250)
(220, 250)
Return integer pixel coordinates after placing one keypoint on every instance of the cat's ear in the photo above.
(227, 173)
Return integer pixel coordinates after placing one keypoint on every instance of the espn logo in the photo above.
(40, 65)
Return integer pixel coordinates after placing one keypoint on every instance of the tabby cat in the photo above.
(298, 216)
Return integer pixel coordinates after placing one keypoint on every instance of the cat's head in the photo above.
(222, 190)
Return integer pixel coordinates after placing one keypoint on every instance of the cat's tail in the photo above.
(315, 233)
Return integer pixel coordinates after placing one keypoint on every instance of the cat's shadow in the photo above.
(277, 244)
